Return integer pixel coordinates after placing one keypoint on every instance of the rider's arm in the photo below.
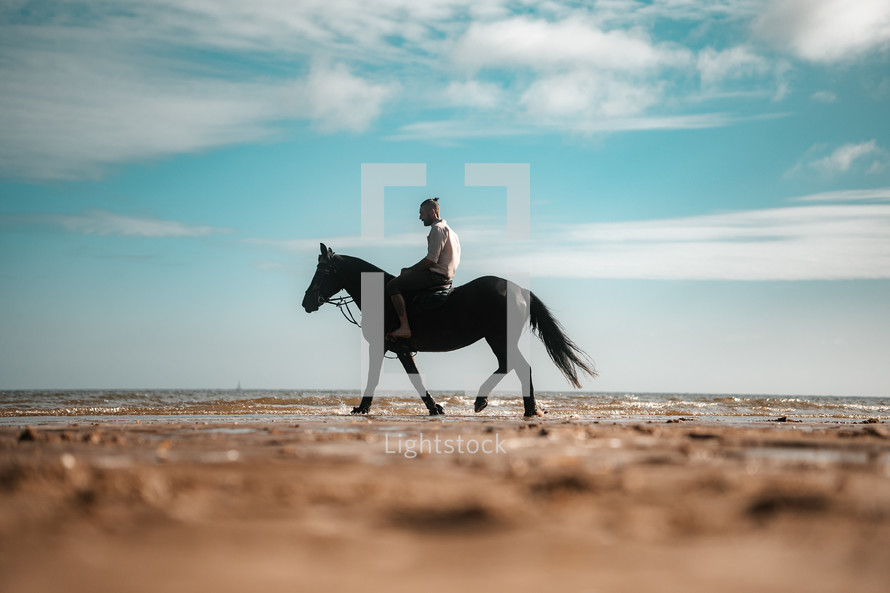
(421, 265)
(435, 243)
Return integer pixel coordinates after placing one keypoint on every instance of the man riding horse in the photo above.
(436, 269)
(488, 308)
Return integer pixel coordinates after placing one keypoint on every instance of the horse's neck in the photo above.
(352, 270)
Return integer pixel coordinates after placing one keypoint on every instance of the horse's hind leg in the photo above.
(515, 361)
(408, 362)
(524, 371)
(504, 342)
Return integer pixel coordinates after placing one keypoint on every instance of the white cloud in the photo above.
(332, 28)
(473, 93)
(824, 97)
(820, 242)
(689, 10)
(844, 156)
(89, 89)
(827, 30)
(866, 157)
(734, 63)
(450, 132)
(588, 95)
(586, 79)
(573, 42)
(106, 88)
(850, 195)
(582, 77)
(105, 223)
(70, 114)
(741, 66)
(341, 101)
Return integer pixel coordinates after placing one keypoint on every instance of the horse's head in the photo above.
(326, 282)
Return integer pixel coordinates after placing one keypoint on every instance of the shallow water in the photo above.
(123, 405)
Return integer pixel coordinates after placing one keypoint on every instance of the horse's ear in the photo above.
(324, 249)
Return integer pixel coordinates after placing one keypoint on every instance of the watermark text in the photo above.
(412, 447)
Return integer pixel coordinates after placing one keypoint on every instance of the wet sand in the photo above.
(331, 504)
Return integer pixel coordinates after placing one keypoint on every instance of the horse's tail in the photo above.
(564, 353)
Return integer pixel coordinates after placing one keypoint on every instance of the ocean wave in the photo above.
(77, 403)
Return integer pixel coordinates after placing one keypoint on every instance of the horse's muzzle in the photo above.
(311, 304)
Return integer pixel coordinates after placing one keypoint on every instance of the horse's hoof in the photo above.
(359, 410)
(534, 413)
(480, 404)
(438, 410)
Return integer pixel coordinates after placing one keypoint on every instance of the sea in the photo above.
(129, 406)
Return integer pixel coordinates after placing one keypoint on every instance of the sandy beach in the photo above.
(383, 504)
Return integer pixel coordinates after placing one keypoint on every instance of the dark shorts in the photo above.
(415, 280)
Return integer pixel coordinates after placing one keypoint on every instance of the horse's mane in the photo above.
(360, 265)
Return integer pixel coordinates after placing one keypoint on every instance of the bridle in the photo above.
(342, 303)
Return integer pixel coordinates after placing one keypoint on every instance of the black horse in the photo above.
(488, 307)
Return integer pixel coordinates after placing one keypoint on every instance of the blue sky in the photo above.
(710, 185)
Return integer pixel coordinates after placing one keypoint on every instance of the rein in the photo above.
(342, 303)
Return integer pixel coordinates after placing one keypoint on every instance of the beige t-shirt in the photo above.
(443, 247)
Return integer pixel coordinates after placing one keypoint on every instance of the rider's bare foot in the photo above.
(400, 334)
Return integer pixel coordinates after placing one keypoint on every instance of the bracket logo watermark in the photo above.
(376, 177)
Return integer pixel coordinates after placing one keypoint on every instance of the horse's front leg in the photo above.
(408, 362)
(375, 365)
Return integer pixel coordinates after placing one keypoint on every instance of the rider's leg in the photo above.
(411, 280)
(404, 330)
(394, 289)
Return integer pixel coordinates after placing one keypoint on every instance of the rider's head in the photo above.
(429, 211)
